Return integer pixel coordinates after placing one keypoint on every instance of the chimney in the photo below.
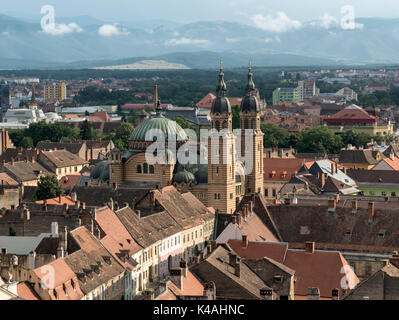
(65, 207)
(387, 199)
(176, 276)
(239, 218)
(32, 260)
(149, 294)
(371, 211)
(237, 269)
(184, 267)
(313, 294)
(66, 238)
(60, 199)
(332, 168)
(54, 229)
(213, 244)
(309, 246)
(138, 212)
(244, 241)
(202, 256)
(250, 207)
(395, 259)
(335, 294)
(27, 214)
(234, 219)
(197, 260)
(86, 184)
(232, 259)
(74, 196)
(331, 205)
(354, 206)
(266, 294)
(208, 249)
(12, 161)
(323, 179)
(114, 185)
(83, 205)
(116, 206)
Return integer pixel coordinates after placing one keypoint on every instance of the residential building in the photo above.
(313, 268)
(383, 183)
(356, 118)
(307, 89)
(365, 159)
(55, 91)
(286, 95)
(61, 162)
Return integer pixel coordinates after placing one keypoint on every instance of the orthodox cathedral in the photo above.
(218, 184)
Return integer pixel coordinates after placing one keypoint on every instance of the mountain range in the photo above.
(86, 42)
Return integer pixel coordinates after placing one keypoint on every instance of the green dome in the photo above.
(184, 177)
(160, 123)
(202, 174)
(100, 171)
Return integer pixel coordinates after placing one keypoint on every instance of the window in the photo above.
(383, 193)
(393, 194)
(152, 170)
(138, 168)
(266, 192)
(274, 192)
(145, 168)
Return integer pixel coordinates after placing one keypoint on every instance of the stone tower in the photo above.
(250, 119)
(221, 153)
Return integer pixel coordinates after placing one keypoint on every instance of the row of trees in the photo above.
(317, 140)
(55, 132)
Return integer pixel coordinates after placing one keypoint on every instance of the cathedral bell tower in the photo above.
(250, 119)
(221, 153)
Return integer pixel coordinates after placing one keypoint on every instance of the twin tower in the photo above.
(223, 177)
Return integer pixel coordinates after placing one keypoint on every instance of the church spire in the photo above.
(221, 88)
(157, 103)
(250, 85)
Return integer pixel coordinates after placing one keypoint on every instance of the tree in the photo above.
(86, 131)
(274, 136)
(11, 231)
(236, 116)
(319, 140)
(27, 142)
(357, 139)
(48, 188)
(122, 135)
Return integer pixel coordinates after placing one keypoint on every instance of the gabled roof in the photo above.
(25, 171)
(374, 176)
(353, 113)
(321, 269)
(216, 267)
(366, 156)
(63, 158)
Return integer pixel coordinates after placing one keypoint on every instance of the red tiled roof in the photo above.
(351, 115)
(25, 292)
(69, 181)
(206, 102)
(58, 201)
(281, 169)
(321, 269)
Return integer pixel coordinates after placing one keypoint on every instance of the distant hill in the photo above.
(195, 45)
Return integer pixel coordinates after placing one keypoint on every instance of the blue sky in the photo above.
(185, 11)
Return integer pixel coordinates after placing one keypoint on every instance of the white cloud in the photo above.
(61, 29)
(232, 40)
(109, 30)
(327, 21)
(5, 33)
(280, 23)
(187, 41)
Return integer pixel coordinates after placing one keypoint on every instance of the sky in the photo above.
(186, 11)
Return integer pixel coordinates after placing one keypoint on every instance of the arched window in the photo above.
(224, 124)
(152, 170)
(246, 124)
(217, 125)
(145, 168)
(139, 168)
(253, 124)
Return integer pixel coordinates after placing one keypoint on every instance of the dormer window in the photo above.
(65, 289)
(278, 278)
(381, 234)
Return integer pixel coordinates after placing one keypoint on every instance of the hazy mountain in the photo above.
(196, 45)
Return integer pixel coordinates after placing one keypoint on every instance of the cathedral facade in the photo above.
(220, 183)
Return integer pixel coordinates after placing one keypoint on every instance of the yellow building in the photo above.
(359, 159)
(357, 119)
(55, 92)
